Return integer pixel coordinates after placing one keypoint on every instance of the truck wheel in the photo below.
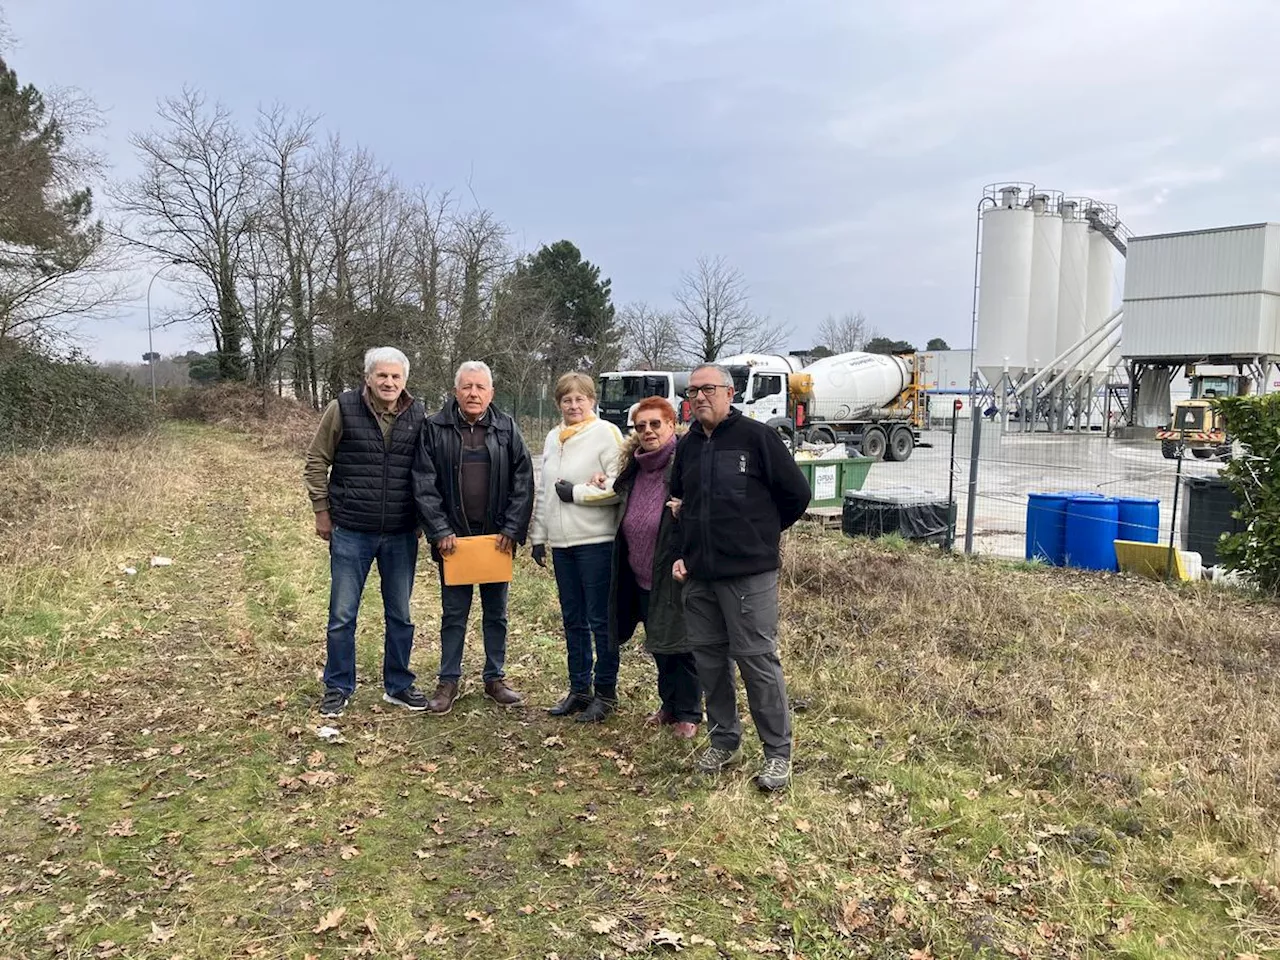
(822, 435)
(901, 443)
(787, 437)
(874, 443)
(1169, 449)
(1202, 453)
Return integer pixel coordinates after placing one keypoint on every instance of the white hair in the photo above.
(385, 355)
(472, 366)
(726, 378)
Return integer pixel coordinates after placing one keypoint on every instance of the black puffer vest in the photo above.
(370, 489)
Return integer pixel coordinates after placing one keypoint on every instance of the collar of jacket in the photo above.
(403, 402)
(733, 417)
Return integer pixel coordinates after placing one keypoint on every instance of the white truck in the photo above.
(618, 391)
(874, 402)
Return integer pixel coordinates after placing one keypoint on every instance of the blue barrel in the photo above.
(1139, 519)
(1092, 525)
(1046, 527)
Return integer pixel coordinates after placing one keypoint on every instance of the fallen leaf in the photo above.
(604, 924)
(122, 828)
(667, 938)
(370, 925)
(852, 918)
(484, 923)
(553, 741)
(330, 920)
(160, 934)
(315, 758)
(804, 826)
(300, 885)
(435, 934)
(527, 909)
(572, 860)
(350, 853)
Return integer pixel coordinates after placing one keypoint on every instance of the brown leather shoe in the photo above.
(501, 694)
(441, 701)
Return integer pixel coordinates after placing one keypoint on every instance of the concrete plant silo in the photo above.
(1073, 281)
(1004, 288)
(1046, 257)
(1101, 277)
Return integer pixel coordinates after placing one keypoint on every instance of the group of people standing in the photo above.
(678, 532)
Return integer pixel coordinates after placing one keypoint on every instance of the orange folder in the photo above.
(477, 560)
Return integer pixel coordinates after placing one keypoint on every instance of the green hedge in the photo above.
(46, 401)
(1255, 478)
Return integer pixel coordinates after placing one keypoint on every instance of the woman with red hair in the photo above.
(642, 587)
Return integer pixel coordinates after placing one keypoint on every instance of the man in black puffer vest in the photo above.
(358, 478)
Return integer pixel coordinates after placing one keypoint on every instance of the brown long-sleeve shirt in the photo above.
(325, 444)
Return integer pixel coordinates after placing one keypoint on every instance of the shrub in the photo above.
(1254, 477)
(47, 401)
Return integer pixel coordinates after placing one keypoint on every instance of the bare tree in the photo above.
(650, 338)
(194, 203)
(714, 314)
(844, 334)
(288, 211)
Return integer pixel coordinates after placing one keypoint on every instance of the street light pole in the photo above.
(151, 353)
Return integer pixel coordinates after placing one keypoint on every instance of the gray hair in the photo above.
(472, 366)
(726, 378)
(385, 355)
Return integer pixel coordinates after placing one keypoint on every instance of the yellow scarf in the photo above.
(567, 432)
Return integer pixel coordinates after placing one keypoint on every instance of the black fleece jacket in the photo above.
(740, 489)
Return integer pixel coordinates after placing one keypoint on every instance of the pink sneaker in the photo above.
(659, 718)
(684, 730)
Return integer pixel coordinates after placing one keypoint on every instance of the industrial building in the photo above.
(1058, 347)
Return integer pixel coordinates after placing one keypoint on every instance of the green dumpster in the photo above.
(829, 479)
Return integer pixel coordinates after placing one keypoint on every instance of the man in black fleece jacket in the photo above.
(738, 488)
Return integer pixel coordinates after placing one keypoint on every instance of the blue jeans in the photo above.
(351, 554)
(582, 578)
(455, 608)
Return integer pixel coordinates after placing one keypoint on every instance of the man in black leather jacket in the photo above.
(472, 475)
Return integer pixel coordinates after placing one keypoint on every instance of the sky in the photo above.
(833, 152)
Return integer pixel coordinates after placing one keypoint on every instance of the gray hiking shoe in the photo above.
(775, 775)
(716, 759)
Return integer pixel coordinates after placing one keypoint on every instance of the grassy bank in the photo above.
(990, 761)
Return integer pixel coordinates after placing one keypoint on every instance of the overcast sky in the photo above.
(833, 151)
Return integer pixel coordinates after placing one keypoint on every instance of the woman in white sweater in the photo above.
(578, 522)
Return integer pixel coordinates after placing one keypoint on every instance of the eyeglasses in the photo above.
(643, 425)
(707, 390)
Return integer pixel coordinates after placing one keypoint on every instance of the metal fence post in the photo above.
(973, 481)
(1173, 520)
(951, 481)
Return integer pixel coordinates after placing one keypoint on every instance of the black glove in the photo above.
(564, 490)
(539, 554)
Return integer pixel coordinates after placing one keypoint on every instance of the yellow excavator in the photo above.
(1195, 425)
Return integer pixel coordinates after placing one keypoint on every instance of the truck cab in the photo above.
(759, 393)
(618, 391)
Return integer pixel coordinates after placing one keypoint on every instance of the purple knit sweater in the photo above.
(644, 511)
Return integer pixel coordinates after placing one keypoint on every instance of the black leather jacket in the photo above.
(437, 470)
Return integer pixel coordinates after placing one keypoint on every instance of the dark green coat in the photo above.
(664, 632)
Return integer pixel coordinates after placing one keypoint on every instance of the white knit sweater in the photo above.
(593, 515)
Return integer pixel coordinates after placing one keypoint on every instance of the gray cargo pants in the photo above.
(736, 620)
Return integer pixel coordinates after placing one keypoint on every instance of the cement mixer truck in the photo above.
(871, 401)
